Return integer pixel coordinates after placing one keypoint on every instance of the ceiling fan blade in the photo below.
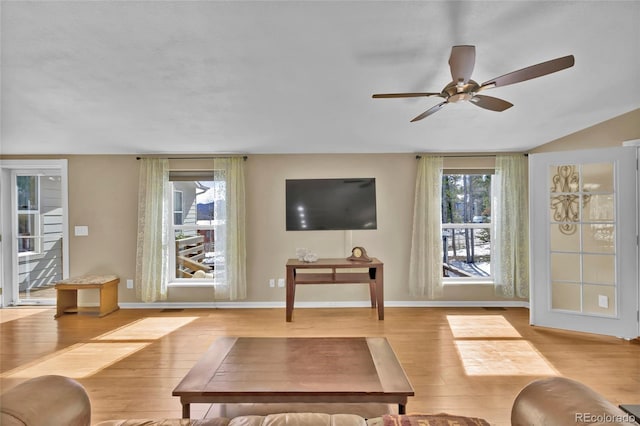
(405, 95)
(489, 102)
(533, 71)
(461, 62)
(430, 111)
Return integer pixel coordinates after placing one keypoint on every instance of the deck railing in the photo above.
(466, 250)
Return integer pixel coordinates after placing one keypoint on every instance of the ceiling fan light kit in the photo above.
(462, 88)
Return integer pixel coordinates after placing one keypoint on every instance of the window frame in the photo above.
(175, 210)
(476, 280)
(210, 175)
(35, 213)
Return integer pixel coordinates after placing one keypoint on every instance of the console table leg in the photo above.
(402, 409)
(291, 293)
(186, 410)
(380, 292)
(372, 292)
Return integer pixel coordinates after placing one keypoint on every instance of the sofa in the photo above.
(556, 401)
(562, 401)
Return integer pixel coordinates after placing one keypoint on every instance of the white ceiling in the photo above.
(119, 77)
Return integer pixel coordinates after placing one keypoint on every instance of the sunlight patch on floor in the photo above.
(481, 326)
(147, 329)
(502, 358)
(10, 314)
(78, 361)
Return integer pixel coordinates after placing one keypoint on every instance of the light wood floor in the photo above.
(469, 361)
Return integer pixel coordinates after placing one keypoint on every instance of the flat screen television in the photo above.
(331, 204)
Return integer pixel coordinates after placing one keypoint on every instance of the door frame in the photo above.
(8, 296)
(627, 294)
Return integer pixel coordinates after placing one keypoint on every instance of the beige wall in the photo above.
(103, 195)
(610, 133)
(269, 245)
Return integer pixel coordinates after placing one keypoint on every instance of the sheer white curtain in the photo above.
(231, 238)
(153, 230)
(511, 227)
(425, 265)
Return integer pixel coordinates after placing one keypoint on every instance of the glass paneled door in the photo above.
(37, 235)
(584, 241)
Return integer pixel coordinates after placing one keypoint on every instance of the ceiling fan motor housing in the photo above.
(456, 92)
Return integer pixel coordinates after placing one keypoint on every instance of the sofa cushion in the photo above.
(220, 421)
(441, 419)
(282, 419)
(299, 419)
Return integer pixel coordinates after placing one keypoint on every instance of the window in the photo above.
(198, 226)
(178, 208)
(28, 215)
(466, 226)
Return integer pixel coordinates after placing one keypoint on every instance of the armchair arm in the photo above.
(46, 401)
(560, 401)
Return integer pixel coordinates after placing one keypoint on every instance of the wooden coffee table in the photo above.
(296, 370)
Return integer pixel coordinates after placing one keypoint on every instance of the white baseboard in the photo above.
(459, 304)
(351, 304)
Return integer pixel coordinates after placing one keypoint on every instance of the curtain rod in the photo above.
(418, 156)
(244, 157)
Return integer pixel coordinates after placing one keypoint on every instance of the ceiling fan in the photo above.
(462, 88)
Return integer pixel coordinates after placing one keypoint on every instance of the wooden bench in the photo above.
(67, 294)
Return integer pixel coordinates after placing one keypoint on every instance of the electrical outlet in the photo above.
(272, 282)
(81, 231)
(280, 282)
(129, 283)
(603, 301)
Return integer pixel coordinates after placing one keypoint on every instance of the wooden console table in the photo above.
(67, 294)
(374, 277)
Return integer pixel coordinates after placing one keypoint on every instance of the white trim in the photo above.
(467, 225)
(352, 304)
(451, 281)
(625, 322)
(28, 164)
(459, 304)
(192, 282)
(445, 226)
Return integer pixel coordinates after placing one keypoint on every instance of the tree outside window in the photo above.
(466, 225)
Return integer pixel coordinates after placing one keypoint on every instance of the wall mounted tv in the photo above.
(331, 204)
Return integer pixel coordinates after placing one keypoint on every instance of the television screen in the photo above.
(331, 204)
